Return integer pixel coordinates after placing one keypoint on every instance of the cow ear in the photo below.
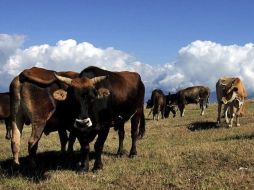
(235, 89)
(102, 92)
(237, 80)
(60, 95)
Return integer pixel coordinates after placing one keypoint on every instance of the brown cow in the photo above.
(124, 101)
(232, 93)
(31, 101)
(5, 112)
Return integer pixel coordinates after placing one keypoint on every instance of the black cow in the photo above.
(5, 112)
(123, 100)
(157, 103)
(195, 94)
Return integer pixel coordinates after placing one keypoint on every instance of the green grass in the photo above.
(176, 153)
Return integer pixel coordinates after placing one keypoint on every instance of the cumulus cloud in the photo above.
(198, 63)
(203, 62)
(9, 45)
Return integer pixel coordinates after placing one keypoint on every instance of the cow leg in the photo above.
(181, 108)
(174, 112)
(63, 139)
(162, 112)
(154, 114)
(121, 134)
(8, 128)
(150, 112)
(37, 130)
(202, 107)
(232, 115)
(237, 121)
(206, 102)
(231, 120)
(226, 109)
(98, 147)
(219, 113)
(85, 149)
(134, 133)
(72, 138)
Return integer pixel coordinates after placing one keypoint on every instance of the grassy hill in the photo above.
(176, 153)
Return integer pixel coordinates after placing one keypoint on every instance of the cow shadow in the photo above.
(45, 161)
(202, 125)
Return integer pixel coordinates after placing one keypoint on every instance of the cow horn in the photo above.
(97, 79)
(232, 87)
(63, 79)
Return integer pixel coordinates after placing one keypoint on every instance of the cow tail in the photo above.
(142, 125)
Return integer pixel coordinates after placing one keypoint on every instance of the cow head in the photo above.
(85, 92)
(171, 99)
(170, 108)
(230, 91)
(149, 104)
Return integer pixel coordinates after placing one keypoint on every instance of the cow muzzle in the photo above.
(83, 123)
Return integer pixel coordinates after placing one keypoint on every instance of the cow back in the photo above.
(126, 91)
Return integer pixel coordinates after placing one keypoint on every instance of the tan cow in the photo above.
(230, 92)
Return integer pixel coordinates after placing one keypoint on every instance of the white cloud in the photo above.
(199, 63)
(203, 62)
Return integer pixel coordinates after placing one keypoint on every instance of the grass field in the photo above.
(176, 153)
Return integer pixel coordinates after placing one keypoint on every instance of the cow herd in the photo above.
(230, 92)
(172, 102)
(89, 103)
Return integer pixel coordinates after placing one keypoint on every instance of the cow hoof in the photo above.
(132, 154)
(238, 125)
(8, 137)
(97, 167)
(229, 126)
(140, 136)
(82, 170)
(120, 154)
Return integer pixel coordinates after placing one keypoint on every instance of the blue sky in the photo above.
(151, 30)
(172, 44)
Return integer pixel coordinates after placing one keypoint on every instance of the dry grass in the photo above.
(176, 153)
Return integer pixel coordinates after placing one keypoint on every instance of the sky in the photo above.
(171, 43)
